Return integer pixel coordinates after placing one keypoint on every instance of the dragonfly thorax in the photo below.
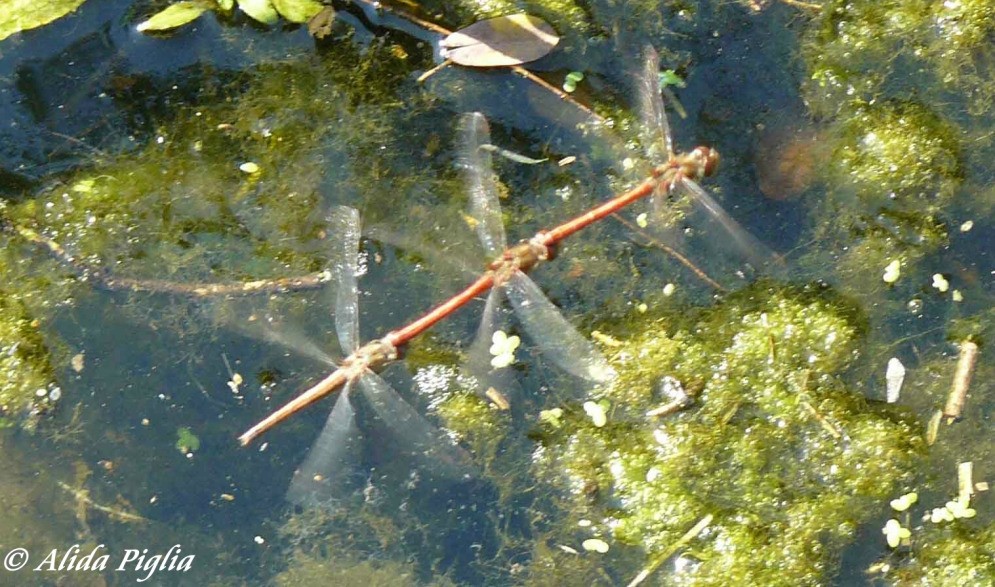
(521, 257)
(371, 356)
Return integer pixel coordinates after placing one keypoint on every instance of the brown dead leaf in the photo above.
(501, 42)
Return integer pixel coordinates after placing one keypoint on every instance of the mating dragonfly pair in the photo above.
(556, 338)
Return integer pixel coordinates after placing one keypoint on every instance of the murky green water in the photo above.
(856, 142)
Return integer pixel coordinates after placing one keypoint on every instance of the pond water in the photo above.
(136, 169)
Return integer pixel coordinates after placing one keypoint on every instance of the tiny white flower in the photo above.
(503, 349)
(552, 417)
(940, 282)
(895, 533)
(892, 272)
(960, 510)
(595, 545)
(596, 413)
(905, 502)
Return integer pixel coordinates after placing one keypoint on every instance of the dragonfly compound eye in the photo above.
(710, 160)
(551, 251)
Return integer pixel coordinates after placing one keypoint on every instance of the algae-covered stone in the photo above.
(786, 458)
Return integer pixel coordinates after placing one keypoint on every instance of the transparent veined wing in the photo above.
(478, 355)
(294, 339)
(478, 358)
(417, 437)
(746, 245)
(550, 331)
(475, 163)
(325, 472)
(343, 223)
(655, 130)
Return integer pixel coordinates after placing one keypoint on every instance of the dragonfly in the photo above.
(324, 471)
(690, 169)
(508, 269)
(545, 325)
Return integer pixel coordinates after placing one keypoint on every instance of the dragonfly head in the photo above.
(708, 159)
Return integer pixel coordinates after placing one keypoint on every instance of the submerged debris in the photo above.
(962, 381)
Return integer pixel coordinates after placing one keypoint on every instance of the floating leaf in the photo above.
(320, 25)
(174, 15)
(297, 10)
(259, 10)
(23, 15)
(501, 42)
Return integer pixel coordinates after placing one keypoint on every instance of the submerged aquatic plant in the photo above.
(787, 459)
(27, 377)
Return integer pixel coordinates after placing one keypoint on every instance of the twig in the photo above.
(826, 424)
(805, 5)
(662, 558)
(670, 251)
(103, 279)
(434, 70)
(962, 381)
(82, 497)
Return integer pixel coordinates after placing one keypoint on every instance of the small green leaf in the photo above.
(297, 10)
(186, 441)
(259, 10)
(226, 5)
(670, 78)
(173, 16)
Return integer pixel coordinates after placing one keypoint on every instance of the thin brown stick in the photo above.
(966, 363)
(670, 251)
(805, 5)
(662, 558)
(102, 279)
(434, 70)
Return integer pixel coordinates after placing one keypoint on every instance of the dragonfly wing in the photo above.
(324, 473)
(475, 163)
(655, 128)
(478, 364)
(343, 222)
(556, 337)
(417, 437)
(296, 340)
(752, 250)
